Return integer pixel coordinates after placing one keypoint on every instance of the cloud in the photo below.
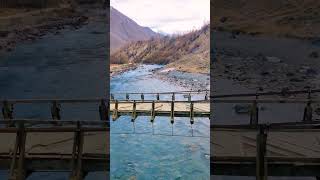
(170, 16)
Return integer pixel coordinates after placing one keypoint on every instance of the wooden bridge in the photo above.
(33, 145)
(53, 145)
(168, 106)
(267, 149)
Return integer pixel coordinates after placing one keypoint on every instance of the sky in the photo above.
(166, 16)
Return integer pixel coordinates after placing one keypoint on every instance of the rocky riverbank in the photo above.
(116, 69)
(192, 81)
(29, 25)
(266, 63)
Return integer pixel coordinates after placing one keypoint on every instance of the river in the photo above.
(141, 155)
(70, 64)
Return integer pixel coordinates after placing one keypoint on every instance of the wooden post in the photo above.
(307, 115)
(103, 112)
(115, 111)
(142, 97)
(189, 97)
(158, 96)
(21, 171)
(173, 97)
(172, 112)
(7, 112)
(79, 174)
(127, 97)
(134, 113)
(55, 110)
(206, 96)
(112, 96)
(254, 114)
(191, 113)
(77, 152)
(74, 153)
(261, 164)
(14, 157)
(153, 112)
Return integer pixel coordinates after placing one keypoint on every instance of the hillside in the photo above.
(124, 30)
(189, 52)
(293, 18)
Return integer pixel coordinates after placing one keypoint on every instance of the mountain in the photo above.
(124, 30)
(295, 18)
(189, 52)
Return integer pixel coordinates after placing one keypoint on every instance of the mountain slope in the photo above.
(189, 52)
(124, 30)
(298, 18)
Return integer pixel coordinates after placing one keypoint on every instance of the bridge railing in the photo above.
(199, 94)
(256, 99)
(261, 163)
(41, 145)
(8, 110)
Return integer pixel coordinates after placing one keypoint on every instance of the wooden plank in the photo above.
(181, 109)
(287, 153)
(35, 164)
(274, 169)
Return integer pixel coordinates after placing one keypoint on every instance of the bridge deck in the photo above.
(64, 147)
(181, 109)
(288, 153)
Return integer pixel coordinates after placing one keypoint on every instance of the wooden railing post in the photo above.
(142, 97)
(17, 170)
(307, 114)
(191, 113)
(261, 145)
(76, 162)
(55, 110)
(134, 111)
(189, 97)
(7, 111)
(153, 112)
(103, 112)
(127, 97)
(254, 114)
(172, 112)
(21, 171)
(158, 96)
(115, 111)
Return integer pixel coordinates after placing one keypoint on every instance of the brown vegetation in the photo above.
(293, 18)
(189, 52)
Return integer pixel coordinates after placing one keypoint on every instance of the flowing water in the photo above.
(137, 154)
(71, 64)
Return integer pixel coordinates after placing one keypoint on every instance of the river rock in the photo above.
(273, 59)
